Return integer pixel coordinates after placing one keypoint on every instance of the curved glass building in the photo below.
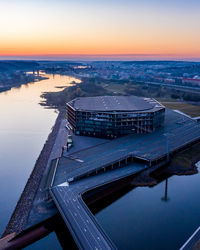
(113, 116)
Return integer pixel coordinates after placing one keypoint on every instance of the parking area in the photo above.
(178, 131)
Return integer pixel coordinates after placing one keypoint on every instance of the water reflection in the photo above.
(165, 197)
(44, 243)
(59, 238)
(141, 220)
(24, 127)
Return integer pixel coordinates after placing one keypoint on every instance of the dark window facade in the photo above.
(113, 124)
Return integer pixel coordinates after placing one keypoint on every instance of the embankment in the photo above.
(19, 217)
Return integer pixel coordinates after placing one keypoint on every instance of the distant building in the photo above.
(192, 81)
(169, 81)
(113, 116)
(178, 80)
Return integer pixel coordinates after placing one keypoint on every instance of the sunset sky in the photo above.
(100, 27)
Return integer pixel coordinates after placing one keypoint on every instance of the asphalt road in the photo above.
(177, 132)
(81, 222)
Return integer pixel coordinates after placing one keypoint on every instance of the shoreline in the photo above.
(147, 178)
(22, 210)
(19, 218)
(23, 207)
(17, 85)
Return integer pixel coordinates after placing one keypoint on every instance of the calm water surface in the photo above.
(145, 218)
(24, 128)
(141, 219)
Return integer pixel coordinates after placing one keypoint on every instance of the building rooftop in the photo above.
(178, 129)
(115, 103)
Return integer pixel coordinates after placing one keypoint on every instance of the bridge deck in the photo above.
(180, 131)
(80, 221)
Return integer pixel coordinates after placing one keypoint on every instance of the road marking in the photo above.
(64, 184)
(185, 245)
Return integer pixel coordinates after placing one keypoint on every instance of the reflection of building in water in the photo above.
(165, 198)
(112, 116)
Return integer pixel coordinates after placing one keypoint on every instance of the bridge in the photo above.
(82, 224)
(74, 174)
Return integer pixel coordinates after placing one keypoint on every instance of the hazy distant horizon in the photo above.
(109, 57)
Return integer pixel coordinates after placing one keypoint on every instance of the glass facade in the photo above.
(113, 124)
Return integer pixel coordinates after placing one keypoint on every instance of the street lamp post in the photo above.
(167, 135)
(168, 149)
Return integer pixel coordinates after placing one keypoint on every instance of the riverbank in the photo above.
(98, 86)
(16, 82)
(20, 215)
(86, 87)
(183, 163)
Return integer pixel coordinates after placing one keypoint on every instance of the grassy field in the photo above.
(187, 157)
(114, 88)
(96, 87)
(189, 109)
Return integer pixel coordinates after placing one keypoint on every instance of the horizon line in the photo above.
(88, 57)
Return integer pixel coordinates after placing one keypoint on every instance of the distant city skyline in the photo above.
(86, 29)
(101, 57)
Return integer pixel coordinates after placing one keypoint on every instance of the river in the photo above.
(154, 218)
(143, 218)
(24, 128)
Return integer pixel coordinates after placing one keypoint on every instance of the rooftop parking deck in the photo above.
(178, 131)
(115, 103)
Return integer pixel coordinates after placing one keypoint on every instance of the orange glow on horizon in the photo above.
(68, 28)
(110, 47)
(139, 55)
